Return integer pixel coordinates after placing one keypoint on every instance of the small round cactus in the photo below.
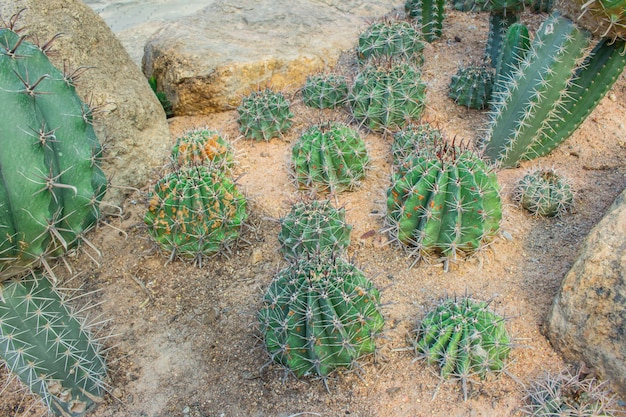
(330, 156)
(314, 228)
(463, 337)
(320, 314)
(413, 140)
(264, 115)
(390, 39)
(472, 86)
(203, 146)
(325, 91)
(194, 212)
(545, 193)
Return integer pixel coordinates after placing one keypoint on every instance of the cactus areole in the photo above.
(50, 177)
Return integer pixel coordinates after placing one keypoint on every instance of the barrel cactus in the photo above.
(415, 139)
(464, 338)
(330, 157)
(545, 193)
(264, 114)
(325, 91)
(429, 15)
(390, 39)
(203, 146)
(195, 212)
(52, 183)
(472, 86)
(605, 18)
(319, 315)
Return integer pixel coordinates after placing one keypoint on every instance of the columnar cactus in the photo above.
(203, 146)
(387, 98)
(264, 115)
(498, 26)
(472, 86)
(49, 348)
(194, 212)
(314, 228)
(515, 45)
(413, 140)
(52, 183)
(391, 39)
(325, 91)
(429, 15)
(545, 193)
(444, 204)
(464, 338)
(320, 314)
(330, 157)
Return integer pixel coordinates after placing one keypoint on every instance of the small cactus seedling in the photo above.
(194, 212)
(203, 146)
(49, 348)
(330, 156)
(471, 86)
(325, 91)
(413, 140)
(545, 193)
(314, 228)
(391, 39)
(264, 115)
(429, 15)
(387, 98)
(463, 337)
(320, 314)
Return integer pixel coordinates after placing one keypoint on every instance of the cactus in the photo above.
(203, 146)
(314, 228)
(542, 6)
(545, 193)
(391, 39)
(464, 338)
(51, 182)
(160, 95)
(515, 45)
(447, 203)
(194, 212)
(387, 98)
(49, 348)
(429, 15)
(605, 18)
(413, 140)
(471, 86)
(264, 115)
(330, 156)
(320, 314)
(325, 91)
(498, 26)
(468, 5)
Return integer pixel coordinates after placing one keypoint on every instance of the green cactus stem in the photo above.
(264, 115)
(203, 146)
(49, 348)
(515, 45)
(429, 15)
(414, 139)
(325, 91)
(319, 315)
(392, 40)
(499, 24)
(472, 86)
(545, 193)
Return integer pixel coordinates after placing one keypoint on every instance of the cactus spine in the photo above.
(325, 91)
(413, 140)
(264, 115)
(515, 45)
(203, 146)
(472, 86)
(390, 39)
(429, 15)
(544, 193)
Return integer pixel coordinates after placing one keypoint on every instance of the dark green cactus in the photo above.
(203, 146)
(499, 24)
(468, 5)
(542, 6)
(51, 183)
(330, 157)
(264, 115)
(429, 15)
(49, 348)
(325, 91)
(194, 212)
(387, 98)
(545, 193)
(444, 204)
(413, 140)
(391, 39)
(314, 228)
(472, 86)
(320, 314)
(464, 338)
(515, 45)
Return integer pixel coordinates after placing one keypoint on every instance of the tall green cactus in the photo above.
(515, 45)
(51, 183)
(429, 14)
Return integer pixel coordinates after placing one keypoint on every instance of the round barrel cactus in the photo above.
(314, 228)
(330, 156)
(606, 18)
(413, 140)
(194, 212)
(472, 86)
(264, 115)
(320, 314)
(444, 204)
(203, 146)
(390, 39)
(51, 182)
(545, 193)
(325, 91)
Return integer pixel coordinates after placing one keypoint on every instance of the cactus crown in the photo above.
(545, 193)
(413, 140)
(390, 39)
(264, 115)
(472, 85)
(325, 91)
(203, 146)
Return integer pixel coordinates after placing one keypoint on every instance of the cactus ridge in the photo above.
(472, 86)
(325, 91)
(319, 315)
(390, 39)
(515, 45)
(545, 193)
(429, 15)
(203, 146)
(49, 348)
(264, 115)
(498, 26)
(413, 140)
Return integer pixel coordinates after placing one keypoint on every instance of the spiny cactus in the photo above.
(542, 6)
(471, 86)
(545, 193)
(325, 91)
(320, 314)
(330, 156)
(444, 204)
(203, 146)
(498, 26)
(429, 15)
(51, 183)
(387, 98)
(468, 5)
(413, 140)
(605, 18)
(464, 338)
(194, 212)
(264, 115)
(49, 348)
(515, 45)
(391, 39)
(314, 228)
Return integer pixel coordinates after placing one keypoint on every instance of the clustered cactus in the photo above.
(545, 193)
(264, 114)
(390, 39)
(415, 139)
(203, 146)
(325, 91)
(471, 86)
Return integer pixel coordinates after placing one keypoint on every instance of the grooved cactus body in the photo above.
(48, 347)
(203, 146)
(390, 39)
(320, 314)
(606, 18)
(544, 193)
(194, 212)
(325, 91)
(51, 183)
(471, 86)
(429, 15)
(330, 156)
(264, 115)
(515, 45)
(413, 140)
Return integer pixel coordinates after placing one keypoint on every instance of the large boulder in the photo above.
(129, 120)
(206, 62)
(587, 321)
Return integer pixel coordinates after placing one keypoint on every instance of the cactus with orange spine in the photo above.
(203, 146)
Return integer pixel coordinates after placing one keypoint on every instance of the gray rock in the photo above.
(130, 121)
(208, 61)
(587, 321)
